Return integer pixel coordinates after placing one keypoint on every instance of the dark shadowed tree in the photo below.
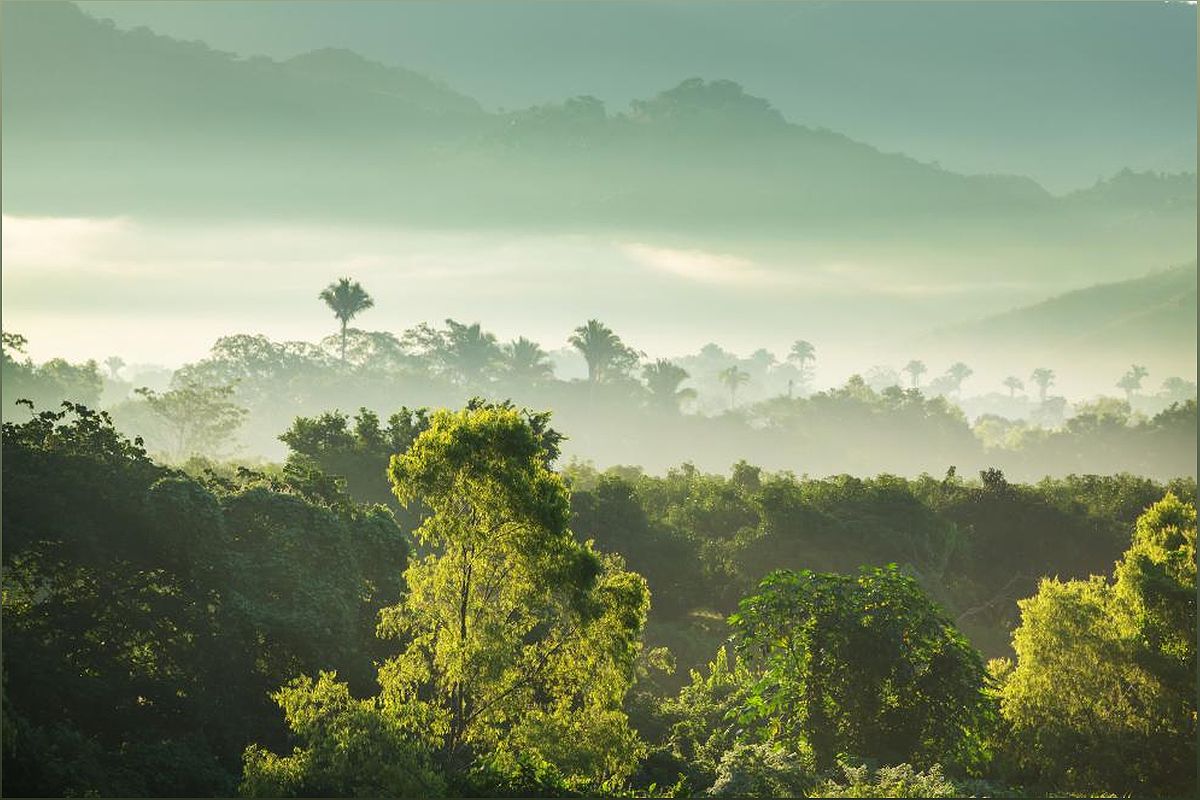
(525, 360)
(471, 352)
(347, 299)
(663, 380)
(605, 353)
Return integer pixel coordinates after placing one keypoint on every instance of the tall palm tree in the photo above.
(1044, 378)
(663, 379)
(603, 350)
(470, 351)
(347, 299)
(733, 378)
(915, 370)
(1131, 381)
(1013, 383)
(802, 353)
(525, 360)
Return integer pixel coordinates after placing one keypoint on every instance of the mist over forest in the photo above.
(599, 399)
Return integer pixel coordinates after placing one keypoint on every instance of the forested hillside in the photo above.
(537, 633)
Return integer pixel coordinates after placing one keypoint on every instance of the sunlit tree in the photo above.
(1102, 696)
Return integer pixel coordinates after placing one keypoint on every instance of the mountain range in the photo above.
(103, 122)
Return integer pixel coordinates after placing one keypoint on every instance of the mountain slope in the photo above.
(1147, 319)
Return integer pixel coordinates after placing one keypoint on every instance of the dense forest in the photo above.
(739, 400)
(429, 607)
(711, 408)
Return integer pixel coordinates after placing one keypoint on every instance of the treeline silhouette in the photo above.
(712, 408)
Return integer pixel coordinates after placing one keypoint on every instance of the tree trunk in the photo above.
(344, 340)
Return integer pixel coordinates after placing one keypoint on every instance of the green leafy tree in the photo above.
(1102, 695)
(606, 355)
(663, 380)
(518, 643)
(346, 299)
(733, 378)
(1014, 385)
(899, 781)
(197, 419)
(760, 770)
(864, 665)
(1044, 379)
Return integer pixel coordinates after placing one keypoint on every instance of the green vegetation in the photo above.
(156, 621)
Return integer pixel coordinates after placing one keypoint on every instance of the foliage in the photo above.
(147, 614)
(517, 643)
(1102, 695)
(758, 770)
(346, 299)
(864, 665)
(196, 419)
(897, 781)
(607, 356)
(46, 384)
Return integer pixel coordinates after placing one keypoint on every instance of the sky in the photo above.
(190, 284)
(1064, 92)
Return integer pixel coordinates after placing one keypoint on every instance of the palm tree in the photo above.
(1131, 381)
(915, 369)
(470, 351)
(603, 350)
(733, 378)
(957, 373)
(802, 353)
(347, 299)
(525, 360)
(663, 379)
(1014, 383)
(114, 364)
(1044, 378)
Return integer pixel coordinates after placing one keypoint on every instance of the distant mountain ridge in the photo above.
(1152, 318)
(100, 121)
